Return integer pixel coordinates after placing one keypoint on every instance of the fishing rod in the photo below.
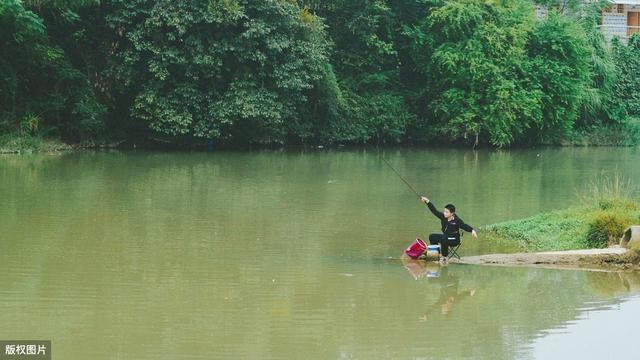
(400, 176)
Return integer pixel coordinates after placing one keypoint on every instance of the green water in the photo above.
(295, 254)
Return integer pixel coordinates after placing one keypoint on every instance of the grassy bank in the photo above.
(608, 206)
(575, 228)
(13, 143)
(626, 134)
(26, 144)
(598, 225)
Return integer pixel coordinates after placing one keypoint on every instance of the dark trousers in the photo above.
(445, 241)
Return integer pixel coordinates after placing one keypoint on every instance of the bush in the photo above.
(620, 204)
(626, 133)
(606, 228)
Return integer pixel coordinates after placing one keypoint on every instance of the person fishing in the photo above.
(451, 224)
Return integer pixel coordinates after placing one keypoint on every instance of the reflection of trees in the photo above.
(611, 284)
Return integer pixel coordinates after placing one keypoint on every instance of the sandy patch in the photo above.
(611, 258)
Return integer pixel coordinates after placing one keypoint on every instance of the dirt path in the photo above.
(591, 258)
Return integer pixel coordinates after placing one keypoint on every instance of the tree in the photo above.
(375, 73)
(238, 71)
(41, 91)
(472, 53)
(559, 55)
(625, 90)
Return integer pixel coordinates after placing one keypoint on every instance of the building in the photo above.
(621, 19)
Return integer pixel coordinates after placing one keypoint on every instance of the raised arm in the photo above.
(433, 209)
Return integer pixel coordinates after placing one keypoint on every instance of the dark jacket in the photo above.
(449, 227)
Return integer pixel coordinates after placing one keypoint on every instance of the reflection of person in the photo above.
(418, 269)
(451, 224)
(449, 293)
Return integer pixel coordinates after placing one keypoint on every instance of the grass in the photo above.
(626, 134)
(607, 188)
(608, 205)
(14, 143)
(556, 230)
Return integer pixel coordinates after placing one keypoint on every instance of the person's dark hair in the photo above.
(451, 207)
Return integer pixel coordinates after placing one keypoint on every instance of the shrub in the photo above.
(605, 228)
(620, 204)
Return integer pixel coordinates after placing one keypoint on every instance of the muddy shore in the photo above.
(612, 258)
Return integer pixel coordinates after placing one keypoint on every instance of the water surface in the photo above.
(294, 254)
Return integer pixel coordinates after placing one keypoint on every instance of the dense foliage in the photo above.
(626, 90)
(41, 89)
(308, 71)
(220, 69)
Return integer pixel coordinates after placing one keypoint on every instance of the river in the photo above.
(272, 254)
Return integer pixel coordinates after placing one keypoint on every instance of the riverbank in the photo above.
(13, 144)
(579, 236)
(16, 144)
(613, 258)
(627, 134)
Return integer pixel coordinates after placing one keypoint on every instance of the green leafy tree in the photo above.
(292, 71)
(473, 54)
(493, 72)
(375, 72)
(238, 71)
(597, 108)
(40, 89)
(625, 90)
(559, 55)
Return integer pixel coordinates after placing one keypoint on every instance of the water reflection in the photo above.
(610, 284)
(603, 333)
(529, 307)
(420, 268)
(450, 293)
